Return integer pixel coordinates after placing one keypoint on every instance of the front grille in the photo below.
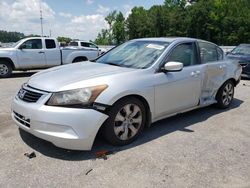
(29, 96)
(21, 119)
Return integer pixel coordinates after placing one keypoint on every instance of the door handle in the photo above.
(222, 66)
(198, 72)
(41, 52)
(195, 73)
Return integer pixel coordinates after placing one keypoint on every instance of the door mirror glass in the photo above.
(173, 66)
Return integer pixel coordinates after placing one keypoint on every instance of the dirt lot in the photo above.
(203, 148)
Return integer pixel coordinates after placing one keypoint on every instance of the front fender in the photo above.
(110, 97)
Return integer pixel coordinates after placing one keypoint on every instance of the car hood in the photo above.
(239, 57)
(4, 50)
(55, 79)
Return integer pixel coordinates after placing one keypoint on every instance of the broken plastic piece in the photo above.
(103, 154)
(31, 155)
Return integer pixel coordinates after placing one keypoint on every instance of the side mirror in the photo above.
(173, 66)
(22, 46)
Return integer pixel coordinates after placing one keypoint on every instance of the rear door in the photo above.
(215, 72)
(52, 53)
(31, 54)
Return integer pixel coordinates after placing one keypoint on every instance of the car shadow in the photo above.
(179, 122)
(22, 74)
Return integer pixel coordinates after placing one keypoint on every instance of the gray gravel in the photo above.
(202, 148)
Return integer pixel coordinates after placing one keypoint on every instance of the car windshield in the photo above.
(241, 50)
(134, 54)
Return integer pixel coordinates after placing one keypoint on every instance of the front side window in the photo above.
(134, 54)
(50, 43)
(208, 52)
(84, 44)
(32, 44)
(184, 53)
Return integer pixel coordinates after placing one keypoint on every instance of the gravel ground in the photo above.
(202, 148)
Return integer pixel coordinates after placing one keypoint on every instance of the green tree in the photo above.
(118, 29)
(138, 23)
(103, 38)
(64, 39)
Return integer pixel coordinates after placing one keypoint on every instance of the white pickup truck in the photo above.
(86, 45)
(38, 53)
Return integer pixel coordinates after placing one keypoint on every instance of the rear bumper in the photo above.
(67, 128)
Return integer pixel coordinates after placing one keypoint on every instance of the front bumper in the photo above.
(67, 128)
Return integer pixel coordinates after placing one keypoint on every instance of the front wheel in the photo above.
(5, 69)
(225, 95)
(126, 122)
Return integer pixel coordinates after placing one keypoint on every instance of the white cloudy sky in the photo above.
(81, 19)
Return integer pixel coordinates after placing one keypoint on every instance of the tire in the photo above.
(225, 95)
(126, 121)
(79, 59)
(5, 69)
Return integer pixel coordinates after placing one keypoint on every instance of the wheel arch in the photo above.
(230, 79)
(6, 59)
(145, 104)
(80, 57)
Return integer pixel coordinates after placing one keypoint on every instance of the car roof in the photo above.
(173, 39)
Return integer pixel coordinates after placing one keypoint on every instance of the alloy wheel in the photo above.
(227, 94)
(128, 122)
(3, 69)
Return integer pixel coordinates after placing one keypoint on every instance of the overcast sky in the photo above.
(81, 19)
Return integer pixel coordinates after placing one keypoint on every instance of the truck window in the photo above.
(89, 45)
(85, 44)
(50, 43)
(32, 44)
(73, 44)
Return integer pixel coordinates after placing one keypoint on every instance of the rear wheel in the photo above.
(225, 95)
(126, 121)
(5, 69)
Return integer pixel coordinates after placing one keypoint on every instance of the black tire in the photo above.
(225, 95)
(79, 59)
(110, 124)
(5, 69)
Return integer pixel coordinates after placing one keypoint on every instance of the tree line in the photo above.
(223, 22)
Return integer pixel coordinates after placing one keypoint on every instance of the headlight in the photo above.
(76, 97)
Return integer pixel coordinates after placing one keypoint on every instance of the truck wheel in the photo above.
(79, 59)
(5, 69)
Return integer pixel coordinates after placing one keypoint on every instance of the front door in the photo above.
(31, 54)
(177, 91)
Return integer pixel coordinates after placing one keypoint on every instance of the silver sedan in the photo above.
(130, 87)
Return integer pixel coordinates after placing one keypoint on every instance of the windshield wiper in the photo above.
(114, 64)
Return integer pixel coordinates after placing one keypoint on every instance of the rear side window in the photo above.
(50, 44)
(220, 53)
(208, 52)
